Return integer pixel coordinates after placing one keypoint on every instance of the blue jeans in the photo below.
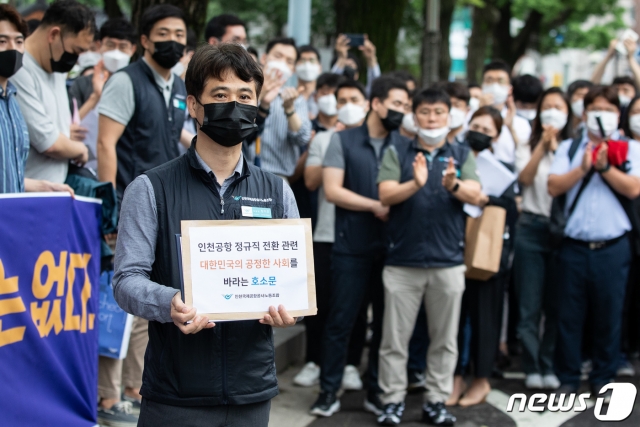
(357, 280)
(535, 292)
(594, 282)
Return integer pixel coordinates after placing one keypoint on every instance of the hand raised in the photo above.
(420, 171)
(450, 175)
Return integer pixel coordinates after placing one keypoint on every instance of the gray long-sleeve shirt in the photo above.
(135, 250)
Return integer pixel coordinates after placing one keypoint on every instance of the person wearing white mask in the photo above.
(460, 96)
(532, 269)
(351, 94)
(526, 91)
(308, 69)
(627, 86)
(595, 252)
(326, 102)
(425, 261)
(475, 91)
(576, 92)
(287, 128)
(496, 91)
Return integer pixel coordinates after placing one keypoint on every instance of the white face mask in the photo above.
(474, 104)
(634, 124)
(433, 136)
(88, 59)
(351, 114)
(280, 66)
(456, 118)
(577, 107)
(409, 124)
(609, 122)
(115, 60)
(307, 71)
(527, 114)
(554, 118)
(327, 105)
(500, 92)
(624, 100)
(178, 69)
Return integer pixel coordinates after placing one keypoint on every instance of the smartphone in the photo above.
(355, 40)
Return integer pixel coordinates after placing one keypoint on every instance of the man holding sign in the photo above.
(196, 372)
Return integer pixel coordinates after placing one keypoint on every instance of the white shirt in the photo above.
(535, 197)
(505, 148)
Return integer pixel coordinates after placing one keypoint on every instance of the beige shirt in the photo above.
(535, 197)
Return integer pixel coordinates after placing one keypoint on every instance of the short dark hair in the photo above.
(536, 127)
(329, 79)
(431, 95)
(381, 87)
(497, 64)
(403, 75)
(625, 80)
(493, 113)
(157, 13)
(578, 84)
(351, 56)
(351, 84)
(192, 40)
(473, 85)
(288, 41)
(71, 16)
(217, 26)
(9, 13)
(526, 88)
(308, 48)
(252, 50)
(33, 25)
(118, 28)
(609, 93)
(456, 90)
(214, 61)
(624, 121)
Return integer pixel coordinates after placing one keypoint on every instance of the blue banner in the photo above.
(49, 277)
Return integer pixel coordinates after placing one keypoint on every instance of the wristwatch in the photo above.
(455, 187)
(263, 110)
(290, 114)
(605, 169)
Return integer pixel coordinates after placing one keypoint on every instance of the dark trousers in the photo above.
(536, 293)
(154, 414)
(357, 280)
(419, 344)
(482, 304)
(314, 325)
(592, 282)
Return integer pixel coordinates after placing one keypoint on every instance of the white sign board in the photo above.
(236, 270)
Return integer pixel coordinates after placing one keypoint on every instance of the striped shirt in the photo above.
(14, 142)
(280, 145)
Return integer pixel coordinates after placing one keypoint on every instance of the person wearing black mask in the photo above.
(350, 169)
(201, 373)
(141, 117)
(66, 30)
(14, 137)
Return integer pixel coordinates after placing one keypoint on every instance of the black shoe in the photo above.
(436, 414)
(565, 390)
(595, 393)
(416, 381)
(392, 414)
(373, 404)
(326, 405)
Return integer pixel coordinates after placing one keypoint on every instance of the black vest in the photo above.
(428, 229)
(152, 135)
(360, 233)
(233, 363)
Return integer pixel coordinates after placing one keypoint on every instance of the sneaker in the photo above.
(416, 381)
(534, 381)
(308, 376)
(351, 379)
(373, 404)
(119, 415)
(626, 369)
(135, 403)
(586, 367)
(326, 405)
(392, 414)
(550, 382)
(436, 414)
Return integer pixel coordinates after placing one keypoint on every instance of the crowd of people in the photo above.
(386, 171)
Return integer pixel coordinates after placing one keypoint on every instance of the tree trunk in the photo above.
(381, 19)
(112, 9)
(503, 42)
(446, 17)
(483, 24)
(528, 36)
(195, 12)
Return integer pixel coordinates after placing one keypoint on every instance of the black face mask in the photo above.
(10, 62)
(393, 120)
(168, 53)
(478, 141)
(66, 61)
(229, 123)
(349, 73)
